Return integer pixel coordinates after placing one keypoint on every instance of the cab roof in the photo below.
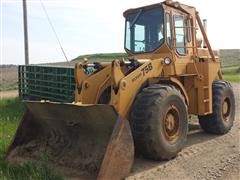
(172, 4)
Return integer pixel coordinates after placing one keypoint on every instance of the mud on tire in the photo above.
(155, 135)
(221, 120)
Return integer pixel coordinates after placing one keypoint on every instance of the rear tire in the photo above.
(159, 122)
(221, 120)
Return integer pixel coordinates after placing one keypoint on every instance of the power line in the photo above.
(55, 33)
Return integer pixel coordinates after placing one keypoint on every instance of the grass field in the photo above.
(231, 73)
(230, 57)
(8, 77)
(11, 111)
(232, 77)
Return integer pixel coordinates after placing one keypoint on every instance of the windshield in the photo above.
(144, 30)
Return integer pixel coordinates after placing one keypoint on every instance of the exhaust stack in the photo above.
(205, 28)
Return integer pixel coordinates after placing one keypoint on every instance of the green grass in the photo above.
(11, 111)
(231, 69)
(231, 73)
(232, 77)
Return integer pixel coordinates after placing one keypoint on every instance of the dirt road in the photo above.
(205, 156)
(8, 94)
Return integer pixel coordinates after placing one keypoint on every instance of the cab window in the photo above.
(168, 30)
(180, 35)
(189, 30)
(145, 30)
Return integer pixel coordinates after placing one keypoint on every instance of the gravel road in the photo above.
(205, 156)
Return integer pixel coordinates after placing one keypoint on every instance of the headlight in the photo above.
(167, 60)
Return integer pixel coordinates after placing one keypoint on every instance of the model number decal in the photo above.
(146, 69)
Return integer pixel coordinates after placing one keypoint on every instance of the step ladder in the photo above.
(204, 100)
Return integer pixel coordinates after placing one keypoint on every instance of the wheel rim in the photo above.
(226, 106)
(172, 124)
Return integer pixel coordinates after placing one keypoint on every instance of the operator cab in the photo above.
(151, 29)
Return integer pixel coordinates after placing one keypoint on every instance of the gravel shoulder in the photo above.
(205, 156)
(8, 94)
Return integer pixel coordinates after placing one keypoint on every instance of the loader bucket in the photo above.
(88, 141)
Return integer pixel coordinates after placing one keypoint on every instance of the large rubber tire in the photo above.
(148, 119)
(219, 122)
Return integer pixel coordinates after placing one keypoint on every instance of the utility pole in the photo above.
(25, 24)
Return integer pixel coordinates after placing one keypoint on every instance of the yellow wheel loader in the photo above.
(139, 104)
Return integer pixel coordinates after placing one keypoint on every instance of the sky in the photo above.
(94, 26)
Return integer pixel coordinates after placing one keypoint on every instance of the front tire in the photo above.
(159, 122)
(221, 120)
